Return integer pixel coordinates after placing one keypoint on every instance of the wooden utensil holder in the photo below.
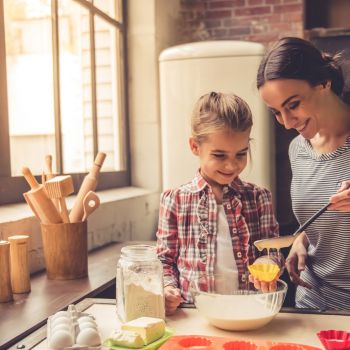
(65, 250)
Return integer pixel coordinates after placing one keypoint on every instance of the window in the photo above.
(62, 91)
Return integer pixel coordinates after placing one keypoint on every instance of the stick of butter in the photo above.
(126, 339)
(149, 328)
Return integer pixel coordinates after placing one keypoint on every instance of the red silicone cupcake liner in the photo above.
(239, 345)
(287, 346)
(202, 342)
(195, 342)
(334, 339)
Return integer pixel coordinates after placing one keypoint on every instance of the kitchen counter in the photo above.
(28, 312)
(295, 327)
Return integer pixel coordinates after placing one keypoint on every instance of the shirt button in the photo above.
(234, 230)
(243, 278)
(228, 206)
(239, 254)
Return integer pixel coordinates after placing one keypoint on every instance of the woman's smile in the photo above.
(301, 128)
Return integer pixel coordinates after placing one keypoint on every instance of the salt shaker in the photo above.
(139, 283)
(20, 277)
(5, 276)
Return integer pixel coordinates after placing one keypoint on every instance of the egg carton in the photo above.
(72, 329)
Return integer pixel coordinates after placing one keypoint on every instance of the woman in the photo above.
(304, 88)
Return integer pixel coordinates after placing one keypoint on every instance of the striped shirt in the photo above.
(187, 229)
(315, 178)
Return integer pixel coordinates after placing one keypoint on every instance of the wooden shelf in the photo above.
(29, 312)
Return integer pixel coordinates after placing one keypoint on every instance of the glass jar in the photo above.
(139, 284)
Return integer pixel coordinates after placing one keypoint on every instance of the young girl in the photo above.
(209, 225)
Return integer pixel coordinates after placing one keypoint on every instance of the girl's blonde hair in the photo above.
(218, 111)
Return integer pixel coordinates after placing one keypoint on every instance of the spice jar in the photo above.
(139, 283)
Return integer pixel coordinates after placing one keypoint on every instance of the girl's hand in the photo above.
(265, 287)
(295, 262)
(172, 299)
(341, 200)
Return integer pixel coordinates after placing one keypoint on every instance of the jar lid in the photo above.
(139, 252)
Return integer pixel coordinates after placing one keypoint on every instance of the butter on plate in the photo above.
(138, 333)
(149, 328)
(126, 339)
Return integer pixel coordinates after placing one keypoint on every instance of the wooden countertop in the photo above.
(29, 312)
(293, 327)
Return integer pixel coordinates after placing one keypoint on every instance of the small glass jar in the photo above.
(139, 284)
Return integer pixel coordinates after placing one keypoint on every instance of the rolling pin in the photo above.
(44, 208)
(5, 274)
(89, 184)
(20, 276)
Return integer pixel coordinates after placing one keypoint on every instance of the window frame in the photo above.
(13, 187)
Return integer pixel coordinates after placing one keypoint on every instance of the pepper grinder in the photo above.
(5, 275)
(20, 277)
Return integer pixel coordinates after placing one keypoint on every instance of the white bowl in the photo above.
(237, 310)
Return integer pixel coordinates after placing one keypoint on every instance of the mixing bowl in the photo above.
(232, 309)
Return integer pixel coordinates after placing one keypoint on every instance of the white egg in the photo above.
(64, 326)
(88, 337)
(85, 318)
(90, 324)
(60, 314)
(60, 320)
(61, 339)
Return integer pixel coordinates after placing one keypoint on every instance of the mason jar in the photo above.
(139, 283)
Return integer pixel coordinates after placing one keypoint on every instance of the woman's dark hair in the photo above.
(295, 58)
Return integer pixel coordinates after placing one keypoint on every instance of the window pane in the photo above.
(108, 94)
(75, 87)
(30, 83)
(111, 7)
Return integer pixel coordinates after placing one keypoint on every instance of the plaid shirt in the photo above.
(187, 229)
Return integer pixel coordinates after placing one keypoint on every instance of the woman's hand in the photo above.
(295, 262)
(341, 200)
(172, 299)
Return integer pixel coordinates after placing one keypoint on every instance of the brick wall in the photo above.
(261, 21)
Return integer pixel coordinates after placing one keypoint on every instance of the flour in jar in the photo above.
(143, 296)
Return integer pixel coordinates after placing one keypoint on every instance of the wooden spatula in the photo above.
(90, 203)
(89, 184)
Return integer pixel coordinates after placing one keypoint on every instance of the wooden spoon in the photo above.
(286, 241)
(91, 202)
